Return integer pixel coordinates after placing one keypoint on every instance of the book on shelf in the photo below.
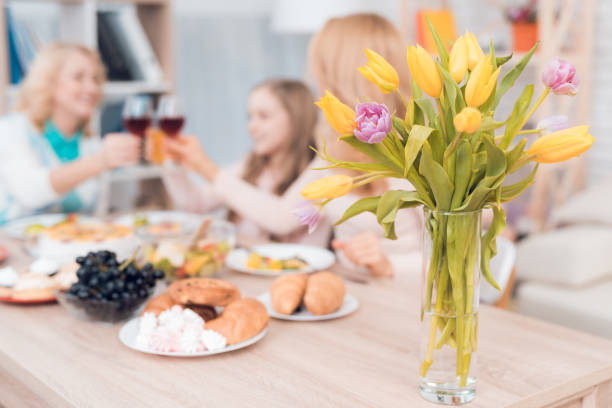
(125, 48)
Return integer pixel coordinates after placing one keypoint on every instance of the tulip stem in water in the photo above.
(535, 106)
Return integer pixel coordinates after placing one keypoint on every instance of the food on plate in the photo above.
(321, 293)
(287, 291)
(324, 293)
(66, 241)
(177, 330)
(173, 248)
(204, 291)
(108, 289)
(240, 320)
(257, 261)
(38, 284)
(34, 230)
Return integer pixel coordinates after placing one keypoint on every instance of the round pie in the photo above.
(203, 291)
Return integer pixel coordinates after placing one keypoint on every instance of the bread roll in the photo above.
(324, 293)
(286, 292)
(240, 320)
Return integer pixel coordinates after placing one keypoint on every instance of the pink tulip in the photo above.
(560, 76)
(373, 122)
(309, 215)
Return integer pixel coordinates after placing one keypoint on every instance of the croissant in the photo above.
(286, 292)
(240, 320)
(324, 293)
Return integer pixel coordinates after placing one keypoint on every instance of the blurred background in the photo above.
(211, 54)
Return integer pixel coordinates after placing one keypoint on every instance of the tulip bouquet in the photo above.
(456, 153)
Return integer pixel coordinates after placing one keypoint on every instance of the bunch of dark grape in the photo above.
(104, 278)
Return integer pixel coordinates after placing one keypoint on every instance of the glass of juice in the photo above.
(137, 116)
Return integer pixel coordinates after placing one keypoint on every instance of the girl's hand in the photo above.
(118, 150)
(364, 250)
(189, 153)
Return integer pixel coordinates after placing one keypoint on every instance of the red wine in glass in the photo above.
(137, 125)
(171, 126)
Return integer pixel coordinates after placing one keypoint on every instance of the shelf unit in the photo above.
(78, 24)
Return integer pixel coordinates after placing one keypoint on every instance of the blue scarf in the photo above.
(66, 149)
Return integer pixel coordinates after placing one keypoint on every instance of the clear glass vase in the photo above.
(449, 306)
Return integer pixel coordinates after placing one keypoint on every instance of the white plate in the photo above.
(317, 258)
(349, 305)
(16, 228)
(129, 331)
(155, 217)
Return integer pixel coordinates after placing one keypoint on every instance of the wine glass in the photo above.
(170, 115)
(137, 117)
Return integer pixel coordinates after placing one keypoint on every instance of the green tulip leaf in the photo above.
(437, 145)
(455, 101)
(436, 177)
(442, 50)
(515, 120)
(428, 109)
(499, 61)
(375, 152)
(418, 135)
(512, 75)
(514, 190)
(513, 155)
(390, 202)
(463, 172)
(416, 91)
(368, 204)
(489, 245)
(400, 126)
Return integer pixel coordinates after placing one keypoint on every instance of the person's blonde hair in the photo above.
(337, 50)
(298, 102)
(35, 97)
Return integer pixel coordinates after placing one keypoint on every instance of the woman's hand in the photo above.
(189, 153)
(118, 150)
(364, 250)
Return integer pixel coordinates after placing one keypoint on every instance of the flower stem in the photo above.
(442, 121)
(402, 97)
(530, 132)
(536, 106)
(453, 146)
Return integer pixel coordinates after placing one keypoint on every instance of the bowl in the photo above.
(171, 247)
(100, 310)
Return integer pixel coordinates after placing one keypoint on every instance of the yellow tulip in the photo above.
(468, 120)
(380, 72)
(424, 71)
(475, 53)
(458, 62)
(339, 116)
(481, 82)
(561, 145)
(328, 188)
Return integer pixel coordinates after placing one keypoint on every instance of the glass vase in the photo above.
(449, 306)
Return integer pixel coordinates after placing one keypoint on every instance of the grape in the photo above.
(80, 260)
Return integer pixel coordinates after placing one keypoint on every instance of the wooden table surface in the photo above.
(368, 359)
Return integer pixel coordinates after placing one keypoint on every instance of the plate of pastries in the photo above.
(197, 317)
(37, 283)
(301, 297)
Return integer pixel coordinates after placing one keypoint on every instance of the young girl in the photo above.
(47, 161)
(261, 190)
(335, 53)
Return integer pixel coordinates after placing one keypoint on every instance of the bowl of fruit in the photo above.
(182, 251)
(107, 289)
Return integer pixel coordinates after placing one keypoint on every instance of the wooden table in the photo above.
(368, 359)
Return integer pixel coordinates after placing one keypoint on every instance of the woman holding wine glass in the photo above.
(49, 161)
(262, 190)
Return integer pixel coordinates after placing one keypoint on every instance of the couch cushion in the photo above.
(588, 308)
(589, 206)
(573, 256)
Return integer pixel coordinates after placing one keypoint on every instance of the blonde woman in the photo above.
(48, 160)
(335, 52)
(262, 190)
